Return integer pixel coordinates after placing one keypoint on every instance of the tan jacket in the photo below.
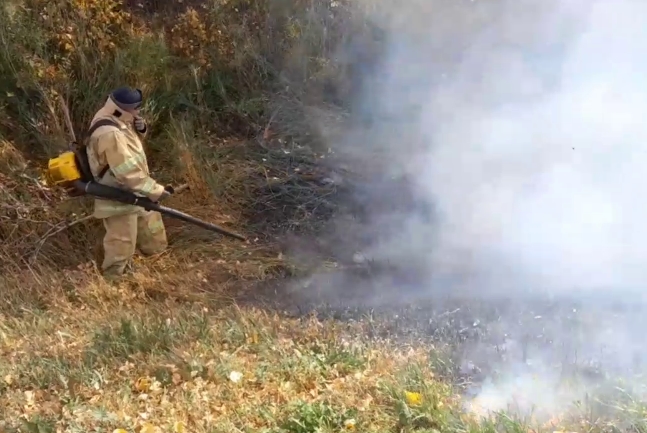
(121, 149)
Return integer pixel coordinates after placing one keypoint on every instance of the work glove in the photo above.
(168, 190)
(140, 124)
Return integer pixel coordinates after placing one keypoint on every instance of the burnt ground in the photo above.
(503, 345)
(507, 350)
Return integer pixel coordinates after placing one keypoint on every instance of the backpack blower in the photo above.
(71, 170)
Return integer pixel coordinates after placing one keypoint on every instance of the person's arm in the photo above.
(125, 166)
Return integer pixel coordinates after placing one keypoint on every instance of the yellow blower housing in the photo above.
(63, 170)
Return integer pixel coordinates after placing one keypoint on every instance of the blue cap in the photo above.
(127, 98)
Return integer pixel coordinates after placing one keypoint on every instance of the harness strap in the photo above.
(99, 123)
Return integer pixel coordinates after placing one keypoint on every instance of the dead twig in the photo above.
(181, 188)
(68, 120)
(42, 190)
(53, 232)
(9, 195)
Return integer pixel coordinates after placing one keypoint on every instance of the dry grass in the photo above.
(156, 350)
(107, 358)
(165, 367)
(158, 354)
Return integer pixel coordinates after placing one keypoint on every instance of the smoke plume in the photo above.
(519, 126)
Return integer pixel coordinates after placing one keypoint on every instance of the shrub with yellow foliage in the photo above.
(87, 26)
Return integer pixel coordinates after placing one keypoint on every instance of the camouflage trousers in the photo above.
(125, 233)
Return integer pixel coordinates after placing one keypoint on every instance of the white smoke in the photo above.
(524, 124)
(527, 138)
(552, 188)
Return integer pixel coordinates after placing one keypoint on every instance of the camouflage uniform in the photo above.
(127, 227)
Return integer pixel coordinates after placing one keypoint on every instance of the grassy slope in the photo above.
(160, 350)
(100, 358)
(82, 367)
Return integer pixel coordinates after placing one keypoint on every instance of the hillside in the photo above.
(242, 97)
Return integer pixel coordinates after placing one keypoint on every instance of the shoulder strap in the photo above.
(98, 124)
(103, 172)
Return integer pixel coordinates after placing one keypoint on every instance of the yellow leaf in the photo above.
(143, 384)
(413, 398)
(119, 430)
(148, 428)
(179, 427)
(8, 379)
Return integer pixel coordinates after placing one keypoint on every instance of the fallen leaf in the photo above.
(143, 384)
(179, 427)
(148, 428)
(413, 398)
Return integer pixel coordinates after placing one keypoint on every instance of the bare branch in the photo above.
(53, 232)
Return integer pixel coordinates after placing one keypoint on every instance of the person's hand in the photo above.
(140, 124)
(168, 190)
(163, 196)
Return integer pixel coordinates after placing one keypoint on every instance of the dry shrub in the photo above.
(198, 39)
(82, 25)
(191, 169)
(72, 33)
(10, 158)
(37, 225)
(50, 48)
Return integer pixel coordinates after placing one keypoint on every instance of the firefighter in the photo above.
(117, 158)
